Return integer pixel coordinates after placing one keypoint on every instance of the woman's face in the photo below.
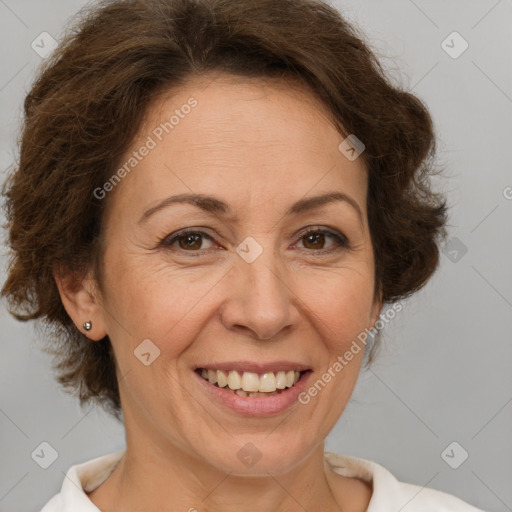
(248, 290)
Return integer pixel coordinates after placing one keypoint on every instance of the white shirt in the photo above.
(389, 495)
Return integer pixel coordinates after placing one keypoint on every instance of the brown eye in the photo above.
(317, 240)
(191, 241)
(314, 241)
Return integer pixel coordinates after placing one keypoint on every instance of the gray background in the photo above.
(444, 374)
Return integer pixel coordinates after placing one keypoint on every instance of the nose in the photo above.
(260, 300)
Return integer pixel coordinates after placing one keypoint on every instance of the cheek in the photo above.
(158, 302)
(340, 304)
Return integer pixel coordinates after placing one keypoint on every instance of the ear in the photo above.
(82, 301)
(376, 309)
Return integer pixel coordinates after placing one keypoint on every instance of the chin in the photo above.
(257, 456)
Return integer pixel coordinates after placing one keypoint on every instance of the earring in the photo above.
(87, 326)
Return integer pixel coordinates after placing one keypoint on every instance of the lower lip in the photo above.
(257, 406)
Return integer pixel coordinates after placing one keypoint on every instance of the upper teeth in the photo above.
(252, 382)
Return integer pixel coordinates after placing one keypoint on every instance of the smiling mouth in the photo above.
(249, 384)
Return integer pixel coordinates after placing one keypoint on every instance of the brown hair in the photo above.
(88, 103)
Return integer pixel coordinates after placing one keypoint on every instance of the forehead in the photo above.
(248, 139)
(242, 111)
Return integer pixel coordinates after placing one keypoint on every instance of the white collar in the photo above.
(389, 495)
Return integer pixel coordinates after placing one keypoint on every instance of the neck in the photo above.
(153, 480)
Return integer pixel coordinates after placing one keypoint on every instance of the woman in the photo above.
(213, 203)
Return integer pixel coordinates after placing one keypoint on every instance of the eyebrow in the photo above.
(218, 207)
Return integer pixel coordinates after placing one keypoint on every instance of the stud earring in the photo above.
(87, 326)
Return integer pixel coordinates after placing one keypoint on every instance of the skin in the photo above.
(259, 146)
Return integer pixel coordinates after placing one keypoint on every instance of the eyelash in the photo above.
(341, 240)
